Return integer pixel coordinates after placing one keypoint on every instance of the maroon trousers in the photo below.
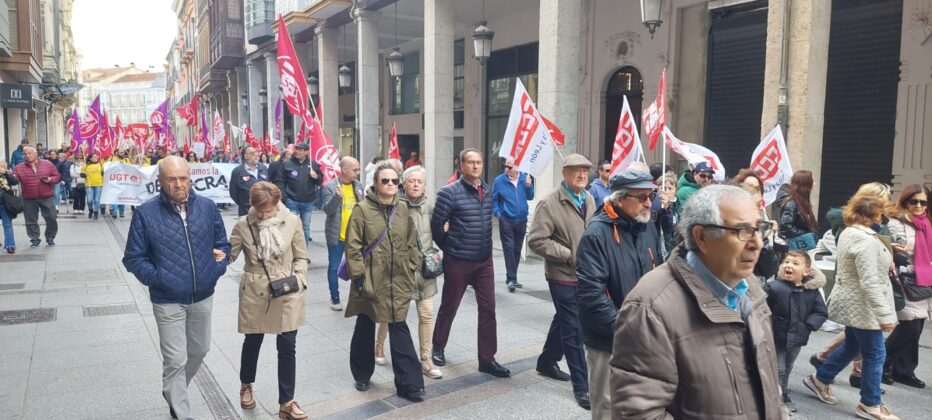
(458, 274)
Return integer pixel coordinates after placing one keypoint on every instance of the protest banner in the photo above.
(133, 185)
(772, 163)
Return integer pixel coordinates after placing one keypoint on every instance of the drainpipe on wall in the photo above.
(356, 142)
(783, 106)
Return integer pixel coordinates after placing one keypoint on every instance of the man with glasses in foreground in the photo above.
(462, 227)
(694, 337)
(619, 245)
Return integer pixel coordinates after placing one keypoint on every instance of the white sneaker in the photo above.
(431, 371)
(876, 412)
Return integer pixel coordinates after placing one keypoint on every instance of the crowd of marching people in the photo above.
(673, 294)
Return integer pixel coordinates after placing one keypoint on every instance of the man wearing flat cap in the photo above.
(619, 245)
(559, 222)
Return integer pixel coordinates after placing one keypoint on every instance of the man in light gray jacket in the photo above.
(340, 195)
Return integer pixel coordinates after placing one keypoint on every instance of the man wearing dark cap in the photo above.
(691, 181)
(559, 222)
(619, 245)
(299, 179)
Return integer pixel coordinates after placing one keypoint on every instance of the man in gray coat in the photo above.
(340, 195)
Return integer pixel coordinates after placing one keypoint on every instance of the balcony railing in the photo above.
(283, 7)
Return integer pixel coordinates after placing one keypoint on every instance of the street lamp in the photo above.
(312, 85)
(482, 42)
(396, 63)
(650, 14)
(345, 77)
(263, 96)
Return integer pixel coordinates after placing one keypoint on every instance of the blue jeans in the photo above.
(868, 343)
(303, 210)
(57, 190)
(334, 256)
(8, 240)
(93, 198)
(118, 209)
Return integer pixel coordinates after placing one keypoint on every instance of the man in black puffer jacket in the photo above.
(177, 247)
(462, 226)
(619, 246)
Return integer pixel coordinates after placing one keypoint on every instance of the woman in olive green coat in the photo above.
(415, 182)
(382, 283)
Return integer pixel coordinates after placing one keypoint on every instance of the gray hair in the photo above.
(704, 208)
(28, 148)
(616, 195)
(416, 169)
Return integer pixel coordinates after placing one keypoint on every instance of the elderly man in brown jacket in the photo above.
(559, 222)
(694, 339)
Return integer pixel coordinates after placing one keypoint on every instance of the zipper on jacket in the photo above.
(391, 265)
(734, 382)
(187, 237)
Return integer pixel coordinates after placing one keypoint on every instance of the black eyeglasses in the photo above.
(509, 167)
(394, 181)
(915, 202)
(747, 232)
(643, 197)
(704, 175)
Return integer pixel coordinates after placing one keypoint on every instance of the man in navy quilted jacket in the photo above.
(177, 246)
(462, 226)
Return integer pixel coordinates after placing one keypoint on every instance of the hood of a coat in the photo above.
(815, 281)
(419, 202)
(686, 180)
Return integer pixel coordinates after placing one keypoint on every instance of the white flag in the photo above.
(627, 149)
(236, 131)
(218, 132)
(526, 139)
(694, 154)
(772, 163)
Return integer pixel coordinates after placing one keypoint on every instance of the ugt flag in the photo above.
(772, 163)
(322, 150)
(393, 152)
(74, 127)
(627, 149)
(694, 153)
(655, 116)
(90, 127)
(294, 87)
(526, 139)
(189, 112)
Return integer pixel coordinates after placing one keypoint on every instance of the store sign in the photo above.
(15, 96)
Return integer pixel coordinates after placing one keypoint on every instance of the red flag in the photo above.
(104, 144)
(655, 116)
(189, 112)
(187, 148)
(320, 109)
(293, 85)
(227, 148)
(555, 133)
(251, 138)
(322, 150)
(627, 149)
(393, 152)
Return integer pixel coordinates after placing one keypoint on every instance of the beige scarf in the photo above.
(271, 244)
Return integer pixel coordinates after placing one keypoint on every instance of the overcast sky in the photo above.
(118, 32)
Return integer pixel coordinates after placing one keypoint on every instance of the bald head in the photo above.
(175, 178)
(349, 169)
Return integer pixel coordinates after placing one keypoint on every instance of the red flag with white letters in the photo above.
(627, 149)
(393, 152)
(558, 137)
(294, 87)
(655, 116)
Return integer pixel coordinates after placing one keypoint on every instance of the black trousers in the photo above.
(242, 210)
(405, 363)
(512, 233)
(903, 349)
(565, 337)
(79, 195)
(286, 362)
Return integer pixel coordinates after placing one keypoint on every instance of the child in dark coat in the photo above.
(798, 309)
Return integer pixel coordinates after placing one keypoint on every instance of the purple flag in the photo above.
(278, 120)
(74, 126)
(159, 118)
(90, 127)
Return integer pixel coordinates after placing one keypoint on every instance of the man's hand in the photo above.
(527, 180)
(338, 190)
(313, 174)
(219, 255)
(446, 226)
(887, 327)
(664, 199)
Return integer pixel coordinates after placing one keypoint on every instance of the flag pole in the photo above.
(555, 146)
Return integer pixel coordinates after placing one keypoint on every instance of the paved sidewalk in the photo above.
(83, 344)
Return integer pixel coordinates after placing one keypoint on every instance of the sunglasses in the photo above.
(394, 181)
(643, 197)
(704, 175)
(509, 167)
(915, 202)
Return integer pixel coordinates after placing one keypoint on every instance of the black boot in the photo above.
(96, 215)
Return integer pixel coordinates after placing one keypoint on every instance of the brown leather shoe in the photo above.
(246, 399)
(291, 411)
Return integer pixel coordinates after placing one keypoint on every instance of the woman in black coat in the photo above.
(796, 217)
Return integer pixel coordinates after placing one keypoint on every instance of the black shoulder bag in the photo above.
(280, 287)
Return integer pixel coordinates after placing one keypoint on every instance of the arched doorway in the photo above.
(626, 81)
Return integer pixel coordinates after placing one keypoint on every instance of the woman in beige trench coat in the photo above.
(271, 233)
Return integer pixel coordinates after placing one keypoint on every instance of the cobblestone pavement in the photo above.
(78, 340)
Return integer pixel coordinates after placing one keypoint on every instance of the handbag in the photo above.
(913, 291)
(13, 203)
(899, 300)
(802, 242)
(343, 271)
(279, 287)
(431, 261)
